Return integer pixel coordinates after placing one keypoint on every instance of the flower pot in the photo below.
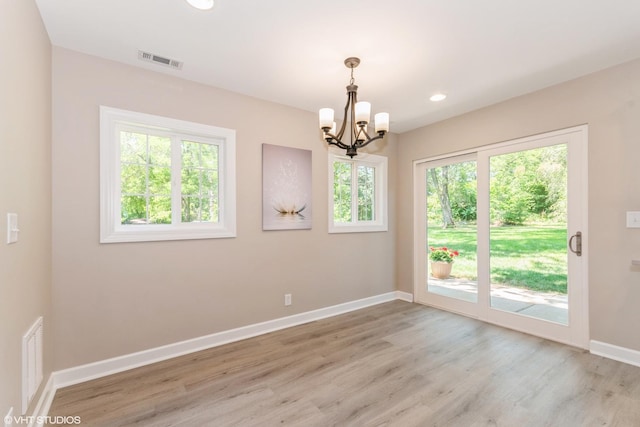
(441, 270)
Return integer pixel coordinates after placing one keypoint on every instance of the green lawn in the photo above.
(532, 257)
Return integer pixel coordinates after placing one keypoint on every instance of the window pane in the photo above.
(199, 192)
(190, 182)
(134, 179)
(342, 192)
(451, 223)
(366, 193)
(528, 233)
(145, 174)
(160, 181)
(160, 210)
(210, 209)
(133, 210)
(205, 211)
(159, 150)
(200, 209)
(190, 154)
(190, 208)
(209, 155)
(210, 182)
(133, 148)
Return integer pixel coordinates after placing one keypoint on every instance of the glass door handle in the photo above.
(578, 239)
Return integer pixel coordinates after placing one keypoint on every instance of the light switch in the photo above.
(633, 219)
(12, 228)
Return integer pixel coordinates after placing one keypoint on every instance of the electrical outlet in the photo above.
(287, 299)
(8, 419)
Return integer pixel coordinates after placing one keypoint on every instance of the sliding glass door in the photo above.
(528, 253)
(492, 234)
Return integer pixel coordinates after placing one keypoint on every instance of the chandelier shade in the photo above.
(356, 118)
(201, 4)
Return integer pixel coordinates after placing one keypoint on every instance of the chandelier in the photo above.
(358, 115)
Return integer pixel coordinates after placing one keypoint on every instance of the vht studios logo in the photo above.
(40, 420)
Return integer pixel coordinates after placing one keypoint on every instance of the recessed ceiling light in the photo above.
(438, 97)
(201, 4)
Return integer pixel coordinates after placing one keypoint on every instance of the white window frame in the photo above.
(111, 229)
(380, 222)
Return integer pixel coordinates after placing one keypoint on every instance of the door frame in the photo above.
(577, 333)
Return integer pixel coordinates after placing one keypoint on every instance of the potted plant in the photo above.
(441, 261)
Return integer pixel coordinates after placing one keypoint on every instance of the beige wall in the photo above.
(609, 102)
(114, 299)
(25, 170)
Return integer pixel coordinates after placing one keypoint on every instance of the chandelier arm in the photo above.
(343, 127)
(364, 131)
(335, 141)
(353, 98)
(368, 141)
(341, 131)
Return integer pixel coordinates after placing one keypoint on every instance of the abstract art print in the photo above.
(286, 188)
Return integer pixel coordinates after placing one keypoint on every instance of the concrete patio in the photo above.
(542, 305)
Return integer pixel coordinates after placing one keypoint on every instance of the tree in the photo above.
(439, 178)
(529, 183)
(463, 189)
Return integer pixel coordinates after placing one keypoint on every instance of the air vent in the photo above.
(157, 59)
(31, 363)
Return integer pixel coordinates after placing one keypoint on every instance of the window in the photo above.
(164, 179)
(358, 196)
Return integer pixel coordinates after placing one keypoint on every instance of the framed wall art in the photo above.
(286, 188)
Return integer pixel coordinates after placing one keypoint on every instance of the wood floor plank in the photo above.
(395, 364)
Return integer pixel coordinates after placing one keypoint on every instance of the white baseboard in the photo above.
(404, 296)
(114, 365)
(610, 351)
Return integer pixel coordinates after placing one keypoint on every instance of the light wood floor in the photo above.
(395, 364)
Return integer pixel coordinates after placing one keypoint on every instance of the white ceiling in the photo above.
(291, 52)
